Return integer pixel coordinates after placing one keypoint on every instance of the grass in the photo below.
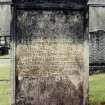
(4, 88)
(4, 72)
(4, 93)
(4, 85)
(97, 89)
(4, 99)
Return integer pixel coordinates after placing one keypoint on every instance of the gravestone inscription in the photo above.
(50, 67)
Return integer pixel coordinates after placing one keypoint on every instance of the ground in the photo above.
(4, 83)
(4, 93)
(97, 89)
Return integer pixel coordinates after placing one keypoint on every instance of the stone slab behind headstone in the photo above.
(5, 19)
(97, 34)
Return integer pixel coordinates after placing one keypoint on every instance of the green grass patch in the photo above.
(4, 93)
(4, 88)
(96, 89)
(4, 72)
(5, 85)
(5, 99)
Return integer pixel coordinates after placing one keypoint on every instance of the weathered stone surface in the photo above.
(5, 19)
(98, 15)
(97, 2)
(51, 1)
(60, 4)
(48, 91)
(97, 34)
(50, 58)
(97, 47)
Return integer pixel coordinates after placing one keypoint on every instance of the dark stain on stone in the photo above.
(62, 92)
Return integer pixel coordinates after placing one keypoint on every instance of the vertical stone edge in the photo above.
(86, 59)
(13, 33)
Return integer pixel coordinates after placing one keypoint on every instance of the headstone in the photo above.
(5, 19)
(97, 31)
(51, 57)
